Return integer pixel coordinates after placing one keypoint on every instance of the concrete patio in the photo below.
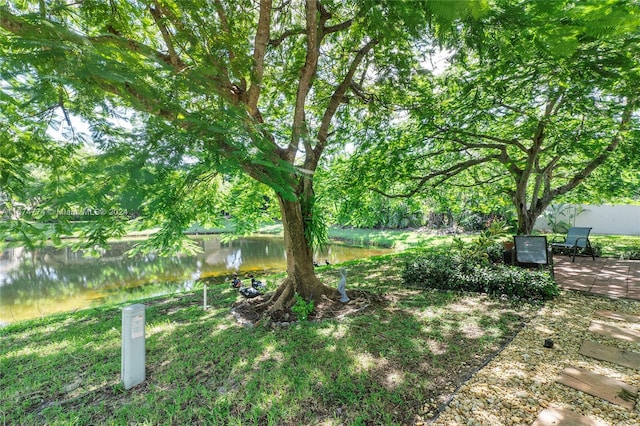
(604, 276)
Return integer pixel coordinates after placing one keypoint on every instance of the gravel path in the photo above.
(521, 381)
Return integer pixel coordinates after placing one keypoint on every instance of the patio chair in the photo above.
(532, 251)
(577, 239)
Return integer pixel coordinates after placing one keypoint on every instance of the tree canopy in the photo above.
(180, 94)
(547, 96)
(181, 97)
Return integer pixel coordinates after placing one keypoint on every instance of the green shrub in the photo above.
(495, 252)
(302, 308)
(450, 272)
(631, 253)
(482, 247)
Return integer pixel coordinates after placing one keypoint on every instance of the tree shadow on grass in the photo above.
(393, 362)
(385, 365)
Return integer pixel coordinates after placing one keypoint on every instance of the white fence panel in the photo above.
(618, 219)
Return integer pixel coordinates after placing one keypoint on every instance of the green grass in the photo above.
(398, 239)
(394, 362)
(390, 363)
(616, 245)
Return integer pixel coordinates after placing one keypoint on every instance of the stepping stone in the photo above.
(552, 416)
(611, 353)
(613, 331)
(609, 389)
(619, 316)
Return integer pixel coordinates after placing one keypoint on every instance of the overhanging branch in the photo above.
(442, 175)
(581, 175)
(53, 31)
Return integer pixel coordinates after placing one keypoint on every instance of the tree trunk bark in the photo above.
(527, 216)
(301, 277)
(526, 221)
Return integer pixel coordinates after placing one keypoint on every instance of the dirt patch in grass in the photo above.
(251, 311)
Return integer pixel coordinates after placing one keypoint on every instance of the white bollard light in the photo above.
(204, 304)
(133, 369)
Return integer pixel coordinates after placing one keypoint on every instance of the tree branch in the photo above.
(239, 90)
(536, 148)
(54, 31)
(444, 174)
(288, 33)
(166, 36)
(306, 75)
(356, 88)
(481, 182)
(513, 142)
(275, 42)
(338, 27)
(259, 49)
(581, 175)
(336, 99)
(140, 95)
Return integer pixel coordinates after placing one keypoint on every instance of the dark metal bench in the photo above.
(532, 251)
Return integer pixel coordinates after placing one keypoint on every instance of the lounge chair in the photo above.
(577, 239)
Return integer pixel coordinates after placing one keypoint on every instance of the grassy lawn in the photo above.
(615, 246)
(394, 361)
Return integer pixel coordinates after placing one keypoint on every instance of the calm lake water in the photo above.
(49, 280)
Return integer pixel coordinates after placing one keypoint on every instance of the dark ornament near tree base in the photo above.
(249, 292)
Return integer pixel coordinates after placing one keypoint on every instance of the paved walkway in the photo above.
(612, 278)
(605, 276)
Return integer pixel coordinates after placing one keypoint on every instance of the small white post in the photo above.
(133, 342)
(204, 305)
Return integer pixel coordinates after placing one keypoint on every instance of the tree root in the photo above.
(276, 307)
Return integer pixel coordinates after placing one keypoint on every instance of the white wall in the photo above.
(619, 219)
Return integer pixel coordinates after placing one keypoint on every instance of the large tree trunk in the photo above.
(301, 277)
(526, 220)
(527, 216)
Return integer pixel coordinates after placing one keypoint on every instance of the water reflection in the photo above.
(50, 280)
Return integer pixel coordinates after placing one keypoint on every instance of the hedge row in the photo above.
(451, 272)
